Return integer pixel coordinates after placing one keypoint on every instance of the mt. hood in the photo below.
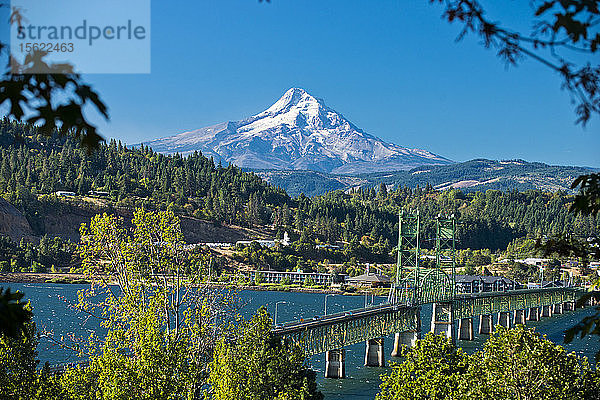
(298, 132)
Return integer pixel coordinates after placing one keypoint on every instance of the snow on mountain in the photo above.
(298, 132)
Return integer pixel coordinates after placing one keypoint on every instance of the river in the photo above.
(52, 313)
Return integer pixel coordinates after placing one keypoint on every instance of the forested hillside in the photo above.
(32, 164)
(488, 219)
(472, 175)
(32, 167)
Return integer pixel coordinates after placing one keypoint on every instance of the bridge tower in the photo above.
(445, 248)
(407, 266)
(413, 284)
(440, 285)
(406, 282)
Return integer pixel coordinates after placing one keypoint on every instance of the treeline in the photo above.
(302, 255)
(490, 219)
(31, 164)
(50, 253)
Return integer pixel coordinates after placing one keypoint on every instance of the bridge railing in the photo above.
(346, 314)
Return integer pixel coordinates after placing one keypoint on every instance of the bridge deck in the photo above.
(334, 331)
(329, 319)
(358, 313)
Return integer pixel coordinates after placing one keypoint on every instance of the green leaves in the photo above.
(519, 364)
(161, 330)
(568, 28)
(514, 364)
(55, 103)
(251, 364)
(433, 369)
(544, 7)
(20, 379)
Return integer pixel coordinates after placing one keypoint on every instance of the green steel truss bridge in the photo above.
(413, 287)
(335, 331)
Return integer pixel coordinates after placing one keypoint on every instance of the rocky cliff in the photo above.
(13, 223)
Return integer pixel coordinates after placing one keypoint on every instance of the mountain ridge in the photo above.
(473, 175)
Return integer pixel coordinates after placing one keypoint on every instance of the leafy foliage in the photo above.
(19, 377)
(587, 201)
(160, 330)
(514, 364)
(433, 369)
(252, 364)
(562, 29)
(519, 364)
(49, 95)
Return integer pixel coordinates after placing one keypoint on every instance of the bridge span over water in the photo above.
(453, 313)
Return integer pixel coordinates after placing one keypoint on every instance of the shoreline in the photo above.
(42, 277)
(67, 279)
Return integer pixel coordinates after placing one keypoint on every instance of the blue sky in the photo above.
(391, 67)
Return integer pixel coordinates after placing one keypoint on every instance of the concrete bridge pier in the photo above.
(504, 319)
(557, 308)
(533, 314)
(465, 329)
(569, 306)
(408, 338)
(335, 364)
(592, 301)
(374, 353)
(486, 324)
(546, 311)
(441, 320)
(519, 317)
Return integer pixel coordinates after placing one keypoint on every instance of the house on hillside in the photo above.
(538, 262)
(328, 246)
(97, 193)
(63, 193)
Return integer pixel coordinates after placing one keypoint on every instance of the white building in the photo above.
(295, 278)
(62, 193)
(539, 262)
(264, 243)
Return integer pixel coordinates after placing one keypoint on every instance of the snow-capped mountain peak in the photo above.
(297, 132)
(294, 97)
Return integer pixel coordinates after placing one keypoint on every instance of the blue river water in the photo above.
(53, 313)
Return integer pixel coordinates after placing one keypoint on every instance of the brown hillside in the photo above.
(64, 221)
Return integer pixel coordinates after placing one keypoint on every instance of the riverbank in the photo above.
(39, 277)
(63, 278)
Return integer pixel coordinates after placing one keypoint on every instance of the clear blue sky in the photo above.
(392, 67)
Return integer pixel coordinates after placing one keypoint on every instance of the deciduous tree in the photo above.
(252, 364)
